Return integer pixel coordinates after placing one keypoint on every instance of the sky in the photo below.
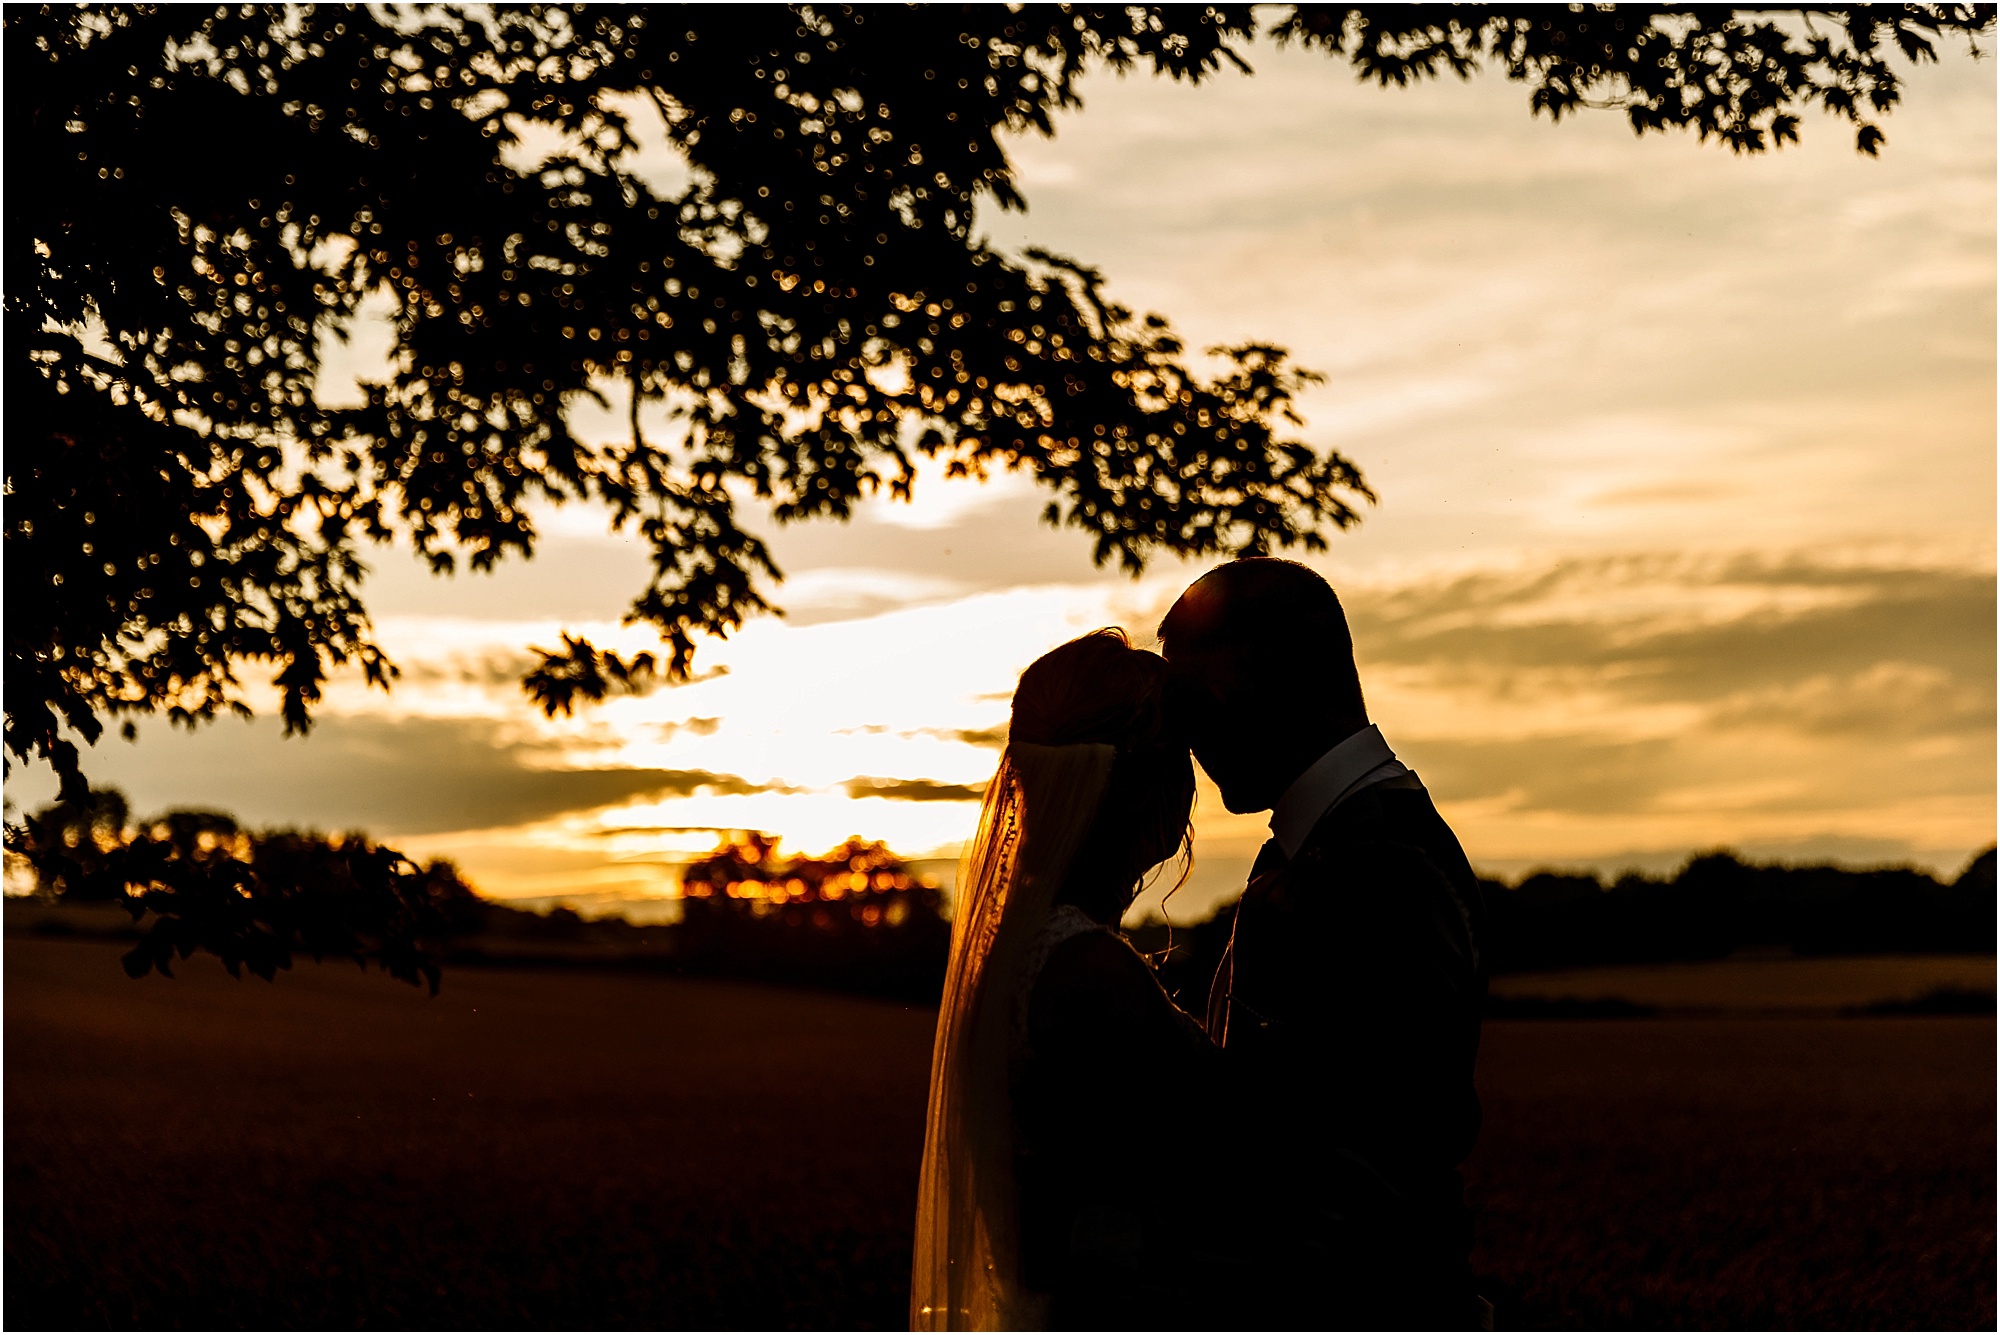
(1685, 535)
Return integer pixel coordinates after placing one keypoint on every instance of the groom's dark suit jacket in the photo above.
(1348, 1008)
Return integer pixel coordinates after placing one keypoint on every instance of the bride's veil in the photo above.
(1037, 810)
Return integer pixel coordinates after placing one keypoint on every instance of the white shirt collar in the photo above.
(1362, 759)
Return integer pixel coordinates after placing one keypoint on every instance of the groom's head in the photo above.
(1263, 674)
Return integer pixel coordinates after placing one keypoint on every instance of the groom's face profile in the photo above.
(1262, 678)
(1216, 698)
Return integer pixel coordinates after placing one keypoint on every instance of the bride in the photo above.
(1061, 1070)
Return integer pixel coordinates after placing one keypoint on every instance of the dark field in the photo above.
(1787, 1173)
(578, 1149)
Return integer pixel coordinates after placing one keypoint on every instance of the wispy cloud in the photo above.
(995, 736)
(492, 668)
(694, 727)
(389, 776)
(1595, 706)
(1801, 643)
(913, 790)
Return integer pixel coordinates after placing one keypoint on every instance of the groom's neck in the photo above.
(1312, 742)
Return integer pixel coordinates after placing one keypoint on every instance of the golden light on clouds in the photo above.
(1686, 531)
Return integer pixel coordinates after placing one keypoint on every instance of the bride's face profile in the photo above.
(1098, 688)
(1141, 821)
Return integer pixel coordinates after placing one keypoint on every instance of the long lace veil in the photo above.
(967, 1269)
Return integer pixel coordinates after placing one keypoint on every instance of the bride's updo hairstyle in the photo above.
(1098, 688)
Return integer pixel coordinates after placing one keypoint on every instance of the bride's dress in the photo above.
(1065, 1087)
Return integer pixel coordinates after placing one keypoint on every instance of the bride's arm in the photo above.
(1113, 1107)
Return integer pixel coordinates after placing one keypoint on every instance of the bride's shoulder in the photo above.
(1102, 958)
(1092, 977)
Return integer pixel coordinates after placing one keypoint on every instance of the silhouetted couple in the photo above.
(1098, 1158)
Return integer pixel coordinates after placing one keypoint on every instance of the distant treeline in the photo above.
(749, 912)
(1719, 904)
(1716, 905)
(859, 919)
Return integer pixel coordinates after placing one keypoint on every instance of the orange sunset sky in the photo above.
(1686, 532)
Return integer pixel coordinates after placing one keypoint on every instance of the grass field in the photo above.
(579, 1149)
(1762, 1173)
(1777, 984)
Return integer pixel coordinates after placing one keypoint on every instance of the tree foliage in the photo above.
(1718, 903)
(1738, 76)
(254, 900)
(855, 917)
(204, 196)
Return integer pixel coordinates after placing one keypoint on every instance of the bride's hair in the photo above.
(1098, 688)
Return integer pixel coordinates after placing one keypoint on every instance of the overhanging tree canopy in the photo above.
(199, 195)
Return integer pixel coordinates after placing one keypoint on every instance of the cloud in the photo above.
(869, 565)
(1665, 493)
(1911, 699)
(1797, 644)
(1776, 704)
(1579, 774)
(387, 776)
(572, 578)
(995, 737)
(494, 668)
(626, 831)
(914, 790)
(699, 727)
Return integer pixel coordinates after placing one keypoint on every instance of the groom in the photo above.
(1348, 1002)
